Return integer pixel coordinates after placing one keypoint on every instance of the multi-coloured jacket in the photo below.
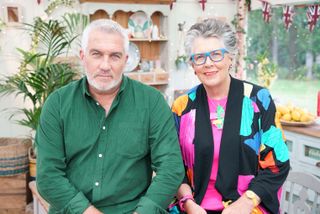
(253, 154)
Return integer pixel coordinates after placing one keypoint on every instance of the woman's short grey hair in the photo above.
(105, 25)
(211, 28)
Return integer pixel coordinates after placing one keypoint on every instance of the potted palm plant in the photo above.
(40, 71)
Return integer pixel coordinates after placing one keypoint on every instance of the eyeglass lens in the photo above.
(215, 56)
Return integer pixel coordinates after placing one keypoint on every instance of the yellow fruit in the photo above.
(295, 115)
(282, 109)
(286, 117)
(306, 118)
(278, 114)
(300, 110)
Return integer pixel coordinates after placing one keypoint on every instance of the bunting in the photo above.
(288, 13)
(313, 16)
(203, 4)
(266, 11)
(171, 4)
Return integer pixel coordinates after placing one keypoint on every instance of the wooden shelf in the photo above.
(150, 78)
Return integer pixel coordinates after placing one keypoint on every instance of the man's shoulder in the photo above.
(66, 91)
(64, 96)
(76, 84)
(70, 88)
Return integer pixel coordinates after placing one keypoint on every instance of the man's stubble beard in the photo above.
(93, 83)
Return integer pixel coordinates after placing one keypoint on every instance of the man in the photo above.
(101, 137)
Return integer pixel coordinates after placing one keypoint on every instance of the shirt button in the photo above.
(100, 155)
(103, 127)
(96, 183)
(97, 103)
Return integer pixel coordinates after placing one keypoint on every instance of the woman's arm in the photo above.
(189, 205)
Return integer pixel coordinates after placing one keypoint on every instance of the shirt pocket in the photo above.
(132, 141)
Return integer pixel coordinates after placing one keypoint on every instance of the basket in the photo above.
(14, 156)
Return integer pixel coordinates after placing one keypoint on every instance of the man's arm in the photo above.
(52, 183)
(166, 159)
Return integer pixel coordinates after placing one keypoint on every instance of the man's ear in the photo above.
(81, 54)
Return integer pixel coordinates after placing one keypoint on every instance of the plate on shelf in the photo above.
(294, 123)
(133, 57)
(140, 25)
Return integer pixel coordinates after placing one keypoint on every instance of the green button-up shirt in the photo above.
(87, 157)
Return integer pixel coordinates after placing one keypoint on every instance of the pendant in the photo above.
(217, 118)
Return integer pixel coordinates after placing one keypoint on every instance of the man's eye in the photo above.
(115, 57)
(96, 54)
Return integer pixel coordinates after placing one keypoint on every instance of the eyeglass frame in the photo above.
(207, 54)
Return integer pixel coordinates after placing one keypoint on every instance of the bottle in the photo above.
(155, 32)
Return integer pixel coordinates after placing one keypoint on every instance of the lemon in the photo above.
(295, 115)
(278, 114)
(282, 109)
(300, 110)
(286, 117)
(306, 118)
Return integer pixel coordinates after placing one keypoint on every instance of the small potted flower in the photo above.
(181, 62)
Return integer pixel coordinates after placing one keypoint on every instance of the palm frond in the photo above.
(31, 117)
(39, 73)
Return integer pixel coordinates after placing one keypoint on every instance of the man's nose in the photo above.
(105, 65)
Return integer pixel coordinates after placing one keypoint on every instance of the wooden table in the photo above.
(40, 206)
(312, 130)
(304, 147)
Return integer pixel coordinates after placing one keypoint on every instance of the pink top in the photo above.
(212, 199)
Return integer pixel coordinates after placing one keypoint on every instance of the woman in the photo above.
(233, 151)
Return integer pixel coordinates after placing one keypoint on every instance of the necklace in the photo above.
(217, 117)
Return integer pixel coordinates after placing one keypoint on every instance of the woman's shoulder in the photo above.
(252, 90)
(256, 87)
(182, 102)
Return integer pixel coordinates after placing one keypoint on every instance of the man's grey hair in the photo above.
(211, 28)
(105, 25)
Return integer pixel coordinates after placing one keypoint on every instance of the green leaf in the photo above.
(146, 25)
(131, 23)
(39, 73)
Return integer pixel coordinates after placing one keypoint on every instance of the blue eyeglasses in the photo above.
(215, 56)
